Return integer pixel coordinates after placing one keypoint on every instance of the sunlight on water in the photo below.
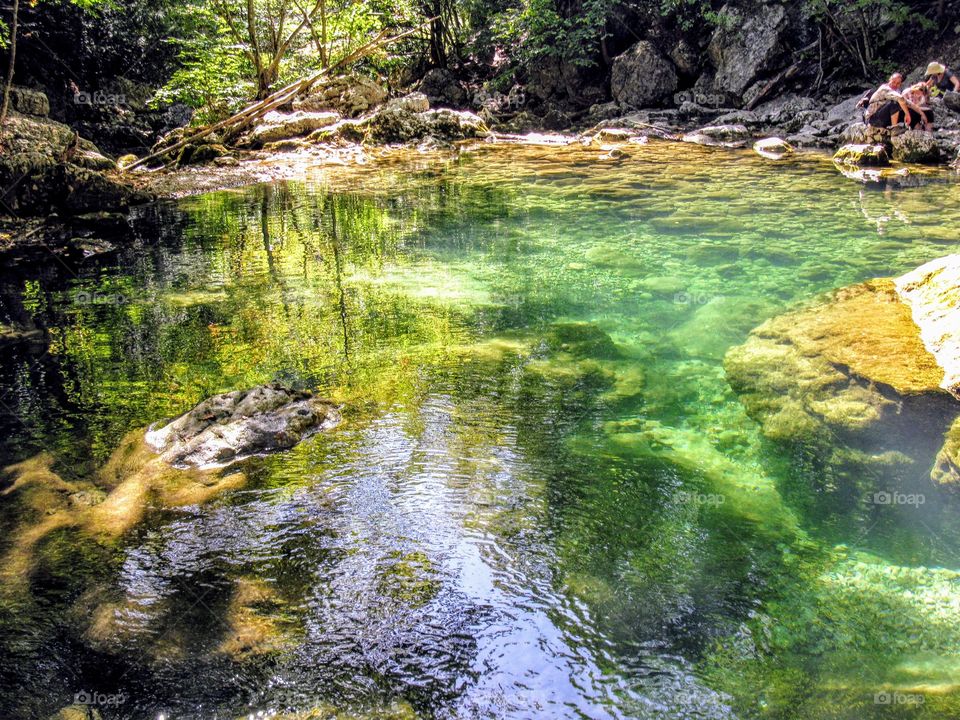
(545, 500)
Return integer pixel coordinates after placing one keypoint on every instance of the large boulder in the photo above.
(642, 76)
(348, 95)
(409, 118)
(230, 427)
(915, 146)
(862, 155)
(47, 167)
(29, 102)
(442, 88)
(282, 126)
(933, 293)
(746, 44)
(854, 379)
(844, 112)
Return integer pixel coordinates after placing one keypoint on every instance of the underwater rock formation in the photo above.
(235, 425)
(855, 378)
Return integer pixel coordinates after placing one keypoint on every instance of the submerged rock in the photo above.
(862, 155)
(856, 380)
(229, 427)
(946, 467)
(723, 135)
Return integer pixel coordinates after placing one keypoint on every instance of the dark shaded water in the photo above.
(476, 540)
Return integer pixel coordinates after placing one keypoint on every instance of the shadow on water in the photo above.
(545, 499)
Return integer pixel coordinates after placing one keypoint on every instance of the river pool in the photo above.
(477, 539)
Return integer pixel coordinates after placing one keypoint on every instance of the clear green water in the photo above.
(545, 500)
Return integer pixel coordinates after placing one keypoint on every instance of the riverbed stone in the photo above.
(229, 427)
(642, 76)
(772, 148)
(862, 155)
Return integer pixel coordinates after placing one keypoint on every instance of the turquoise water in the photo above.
(545, 499)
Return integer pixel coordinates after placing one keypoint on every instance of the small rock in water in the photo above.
(862, 155)
(230, 427)
(772, 148)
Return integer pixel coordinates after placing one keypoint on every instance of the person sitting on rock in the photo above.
(943, 79)
(917, 97)
(887, 107)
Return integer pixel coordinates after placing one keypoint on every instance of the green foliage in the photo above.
(213, 77)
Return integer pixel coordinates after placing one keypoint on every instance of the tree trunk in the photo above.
(13, 59)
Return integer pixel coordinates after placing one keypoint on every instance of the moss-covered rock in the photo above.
(862, 155)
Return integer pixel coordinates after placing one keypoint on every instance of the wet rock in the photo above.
(642, 76)
(933, 293)
(442, 88)
(746, 44)
(851, 379)
(862, 155)
(724, 135)
(915, 146)
(229, 427)
(946, 467)
(102, 222)
(772, 148)
(29, 102)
